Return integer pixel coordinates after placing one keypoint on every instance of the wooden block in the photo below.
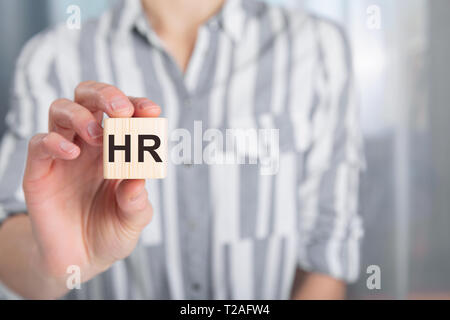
(135, 148)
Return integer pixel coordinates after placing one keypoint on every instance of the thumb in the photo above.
(135, 209)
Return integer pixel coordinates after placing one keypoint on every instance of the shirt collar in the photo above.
(231, 19)
(126, 13)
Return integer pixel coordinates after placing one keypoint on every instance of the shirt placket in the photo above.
(194, 213)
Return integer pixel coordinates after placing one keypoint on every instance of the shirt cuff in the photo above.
(337, 259)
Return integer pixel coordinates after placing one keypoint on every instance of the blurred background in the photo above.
(401, 57)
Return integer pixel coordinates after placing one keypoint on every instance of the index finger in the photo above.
(97, 96)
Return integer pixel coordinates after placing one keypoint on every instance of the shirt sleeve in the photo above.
(330, 226)
(21, 124)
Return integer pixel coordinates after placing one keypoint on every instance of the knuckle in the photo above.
(63, 112)
(35, 141)
(105, 94)
(84, 84)
(58, 103)
(83, 88)
(46, 139)
(73, 110)
(107, 91)
(140, 102)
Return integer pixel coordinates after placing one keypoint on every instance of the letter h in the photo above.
(126, 148)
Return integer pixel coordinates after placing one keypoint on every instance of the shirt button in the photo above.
(196, 286)
(187, 102)
(188, 165)
(192, 225)
(214, 25)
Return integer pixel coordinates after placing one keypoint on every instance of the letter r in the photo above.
(151, 149)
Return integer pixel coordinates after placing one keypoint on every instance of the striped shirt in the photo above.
(219, 231)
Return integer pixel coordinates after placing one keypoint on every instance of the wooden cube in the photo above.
(135, 148)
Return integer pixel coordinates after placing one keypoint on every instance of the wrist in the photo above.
(54, 283)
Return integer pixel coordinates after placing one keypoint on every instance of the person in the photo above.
(207, 231)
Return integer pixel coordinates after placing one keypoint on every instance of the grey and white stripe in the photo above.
(220, 231)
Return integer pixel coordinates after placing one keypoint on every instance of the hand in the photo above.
(316, 286)
(78, 218)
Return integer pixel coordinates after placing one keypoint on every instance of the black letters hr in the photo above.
(141, 147)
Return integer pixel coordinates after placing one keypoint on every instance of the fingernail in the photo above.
(67, 147)
(94, 130)
(120, 104)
